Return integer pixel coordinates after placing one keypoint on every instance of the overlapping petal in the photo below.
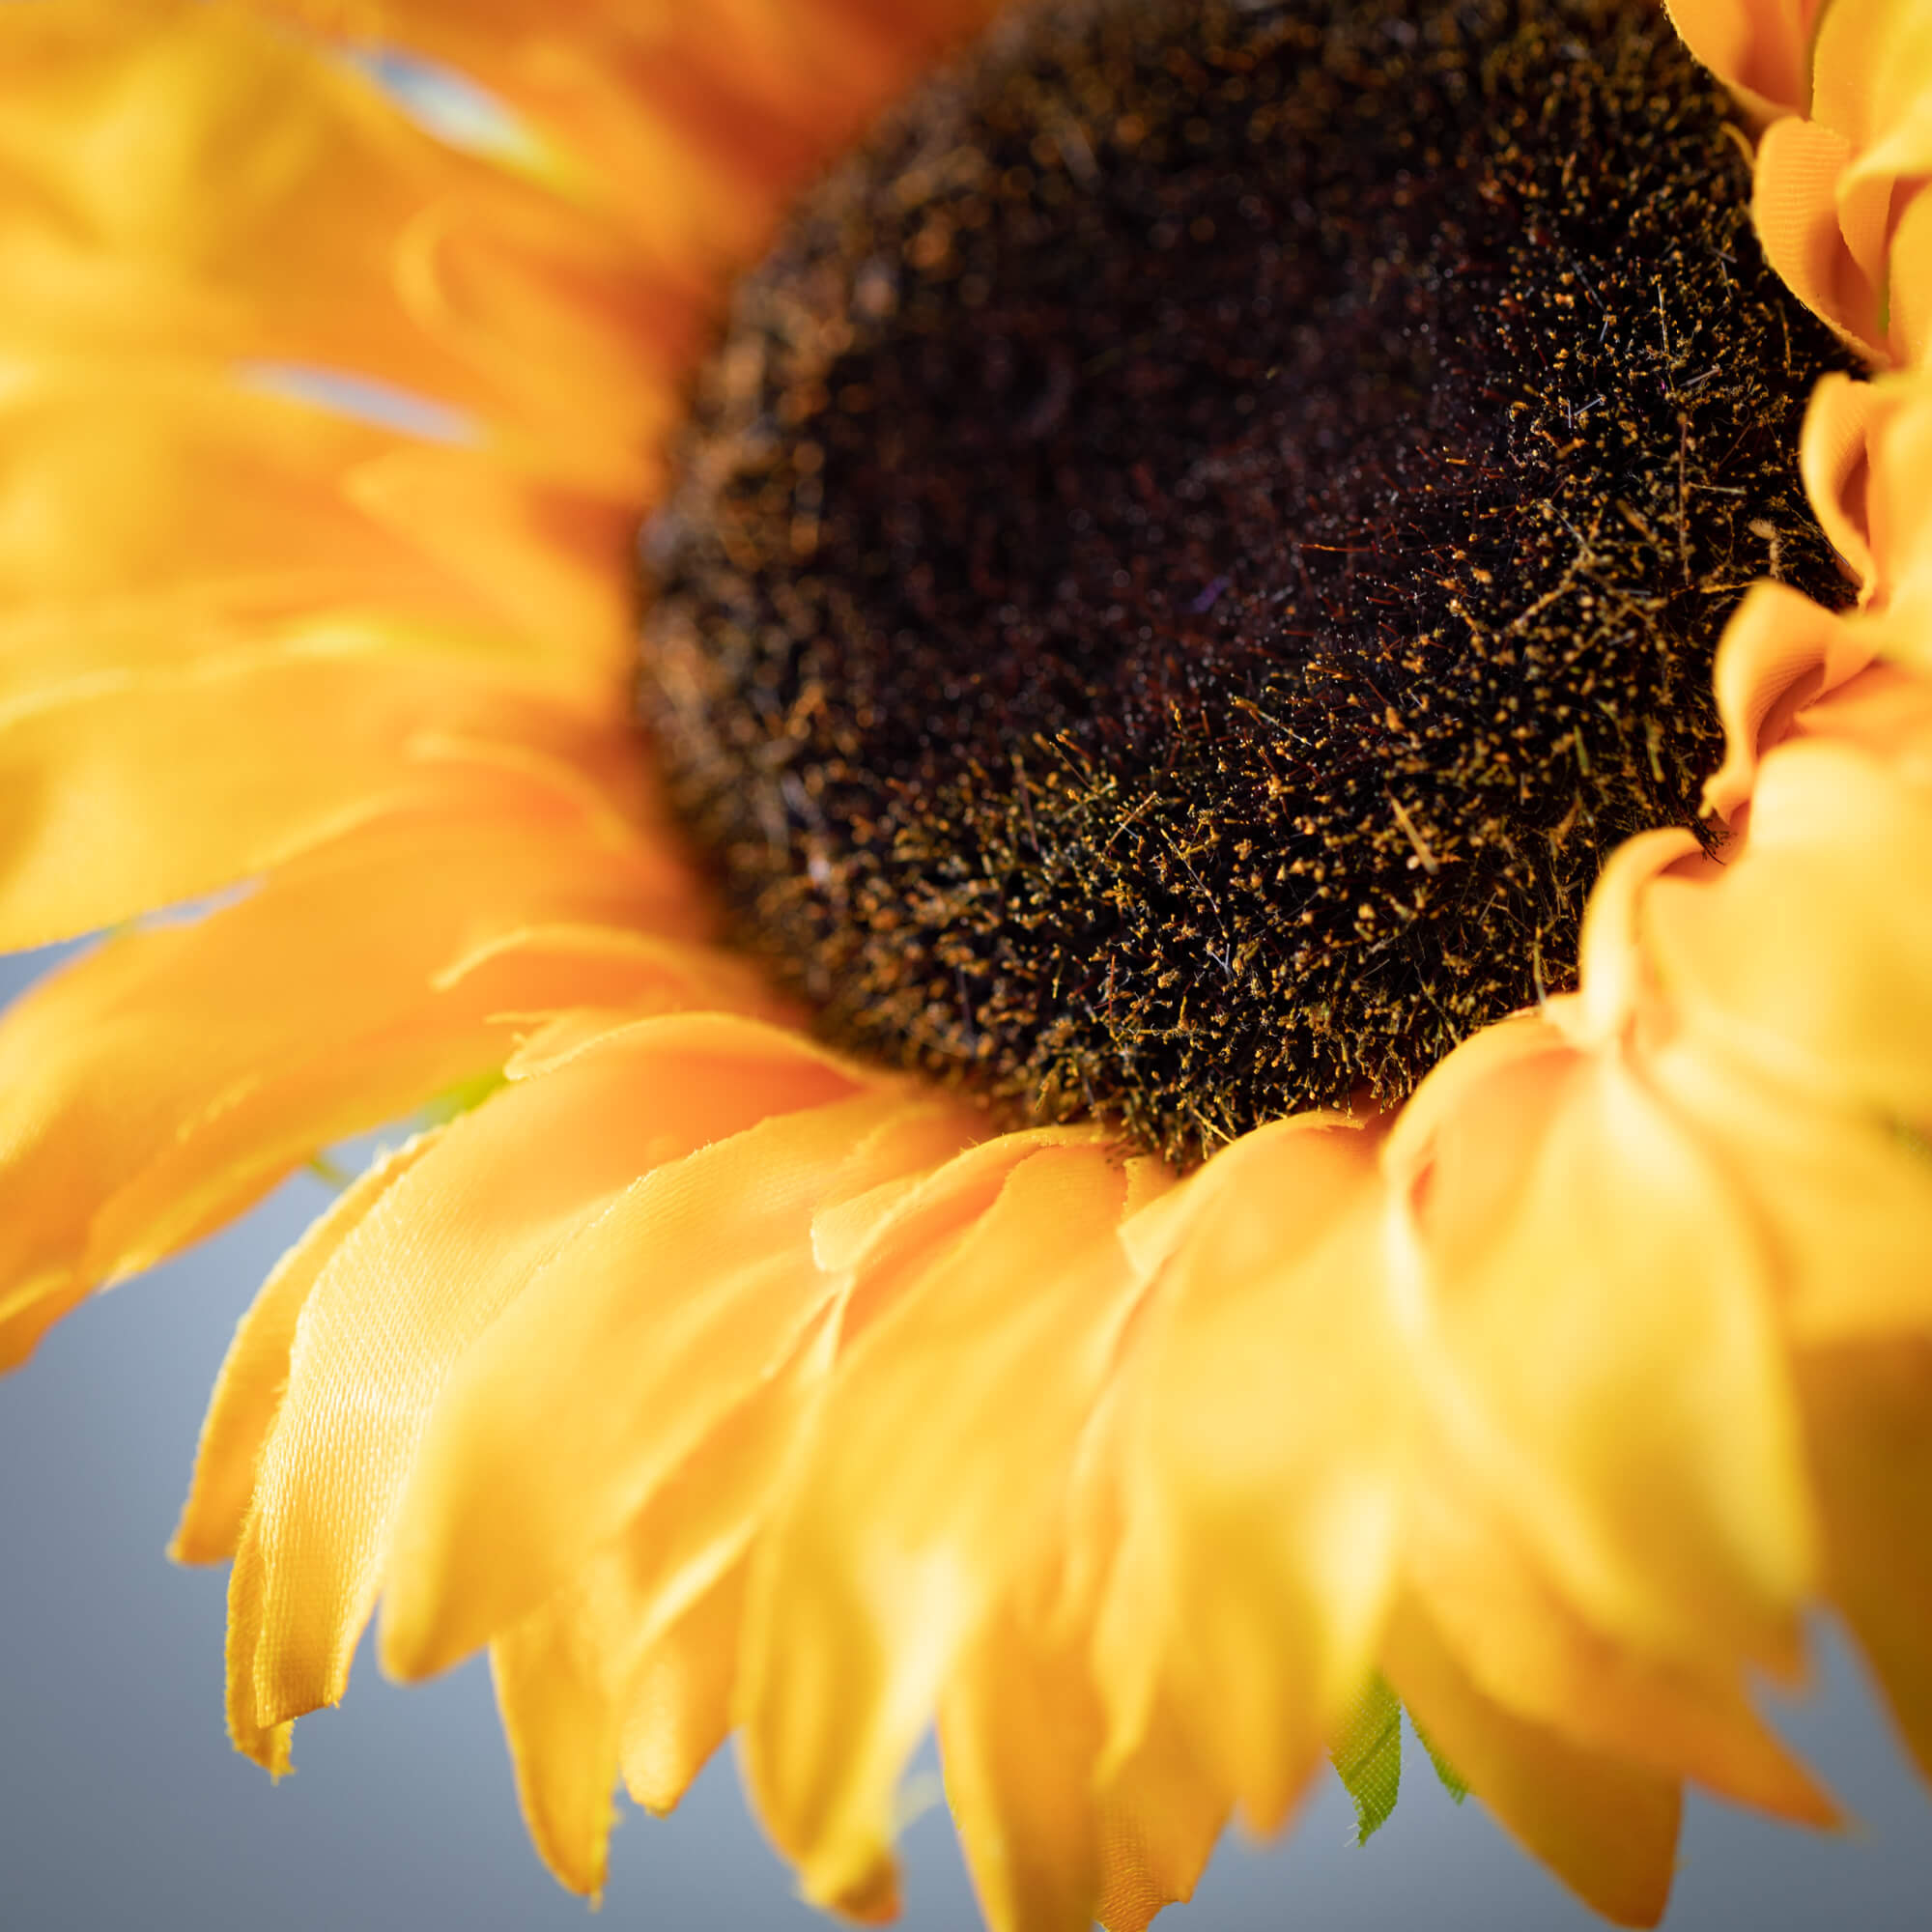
(1836, 191)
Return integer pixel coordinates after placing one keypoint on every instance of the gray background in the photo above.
(122, 1805)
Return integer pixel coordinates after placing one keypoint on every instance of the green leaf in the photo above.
(1367, 1755)
(1451, 1778)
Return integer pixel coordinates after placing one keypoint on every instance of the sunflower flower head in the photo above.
(1246, 1042)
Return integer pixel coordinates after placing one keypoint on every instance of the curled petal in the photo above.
(1779, 653)
(1806, 956)
(1761, 51)
(1530, 1650)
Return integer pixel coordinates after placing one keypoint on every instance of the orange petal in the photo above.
(1605, 1317)
(945, 1444)
(422, 1279)
(621, 1356)
(1264, 1479)
(1608, 1829)
(1868, 1420)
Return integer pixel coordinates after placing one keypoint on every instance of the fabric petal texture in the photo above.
(713, 1381)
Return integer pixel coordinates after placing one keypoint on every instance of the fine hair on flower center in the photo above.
(1210, 527)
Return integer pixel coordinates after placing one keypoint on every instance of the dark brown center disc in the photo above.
(1207, 531)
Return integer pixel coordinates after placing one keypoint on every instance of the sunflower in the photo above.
(714, 1367)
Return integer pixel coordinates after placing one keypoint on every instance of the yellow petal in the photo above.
(678, 1709)
(1779, 653)
(255, 1371)
(1806, 954)
(621, 1356)
(1608, 1829)
(422, 1279)
(119, 1148)
(1020, 1730)
(695, 127)
(1613, 1373)
(1264, 1481)
(1872, 84)
(1845, 1276)
(1834, 460)
(1794, 205)
(561, 1720)
(134, 792)
(1761, 49)
(943, 1448)
(166, 155)
(1868, 1420)
(1160, 1816)
(1528, 1650)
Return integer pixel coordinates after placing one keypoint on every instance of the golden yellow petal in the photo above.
(1911, 287)
(1761, 49)
(248, 1392)
(1020, 1730)
(1806, 956)
(1606, 1829)
(678, 1709)
(1160, 1816)
(423, 1276)
(1898, 443)
(943, 1448)
(1795, 208)
(621, 1355)
(1834, 462)
(1872, 83)
(561, 1720)
(136, 791)
(123, 1148)
(1263, 1474)
(429, 270)
(1605, 1355)
(1845, 1274)
(1868, 1419)
(1779, 653)
(693, 125)
(1530, 1650)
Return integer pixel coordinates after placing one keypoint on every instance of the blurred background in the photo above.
(123, 1806)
